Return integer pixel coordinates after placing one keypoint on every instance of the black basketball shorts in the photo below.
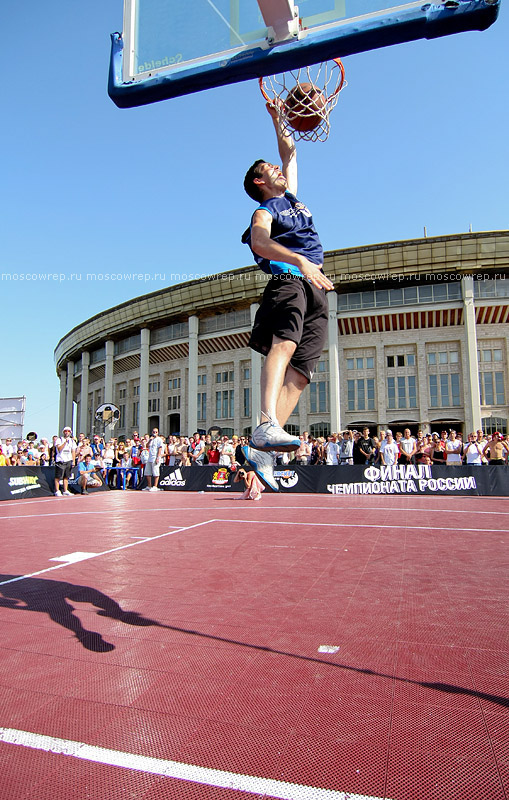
(295, 310)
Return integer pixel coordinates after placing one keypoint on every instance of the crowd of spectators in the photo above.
(401, 447)
(96, 456)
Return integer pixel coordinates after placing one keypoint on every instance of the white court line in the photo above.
(359, 525)
(265, 787)
(239, 507)
(107, 552)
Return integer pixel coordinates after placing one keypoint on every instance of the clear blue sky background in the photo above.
(419, 138)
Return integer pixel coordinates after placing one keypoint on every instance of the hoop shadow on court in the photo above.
(55, 599)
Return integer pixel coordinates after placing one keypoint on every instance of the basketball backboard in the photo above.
(170, 48)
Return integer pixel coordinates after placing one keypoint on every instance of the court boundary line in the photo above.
(107, 552)
(248, 508)
(206, 776)
(375, 525)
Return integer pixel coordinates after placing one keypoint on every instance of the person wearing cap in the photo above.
(65, 451)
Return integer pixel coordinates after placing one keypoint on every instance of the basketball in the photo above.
(304, 105)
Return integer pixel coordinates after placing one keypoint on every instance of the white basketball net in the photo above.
(328, 77)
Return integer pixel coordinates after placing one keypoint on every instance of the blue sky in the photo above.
(419, 139)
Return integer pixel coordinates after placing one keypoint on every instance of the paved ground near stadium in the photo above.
(178, 645)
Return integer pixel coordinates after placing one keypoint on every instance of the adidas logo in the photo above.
(173, 479)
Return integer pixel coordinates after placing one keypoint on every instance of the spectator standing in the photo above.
(196, 450)
(213, 454)
(407, 448)
(240, 458)
(346, 449)
(366, 447)
(496, 451)
(152, 467)
(331, 451)
(472, 451)
(357, 457)
(227, 453)
(437, 450)
(389, 453)
(65, 451)
(453, 450)
(303, 453)
(482, 441)
(8, 448)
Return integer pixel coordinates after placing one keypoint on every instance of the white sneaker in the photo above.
(147, 489)
(271, 436)
(58, 493)
(154, 489)
(263, 464)
(67, 493)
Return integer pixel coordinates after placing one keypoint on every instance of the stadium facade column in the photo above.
(63, 392)
(422, 387)
(192, 381)
(471, 374)
(144, 375)
(85, 368)
(108, 372)
(69, 394)
(333, 338)
(256, 373)
(381, 395)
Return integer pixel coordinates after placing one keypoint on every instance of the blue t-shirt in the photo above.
(292, 227)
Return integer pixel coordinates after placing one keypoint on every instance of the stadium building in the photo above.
(418, 337)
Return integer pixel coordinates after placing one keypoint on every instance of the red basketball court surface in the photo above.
(306, 647)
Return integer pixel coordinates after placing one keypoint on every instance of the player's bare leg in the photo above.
(278, 391)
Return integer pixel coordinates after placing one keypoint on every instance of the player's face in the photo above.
(272, 176)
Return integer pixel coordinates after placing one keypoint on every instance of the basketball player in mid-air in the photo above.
(290, 326)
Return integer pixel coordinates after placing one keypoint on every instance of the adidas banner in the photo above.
(197, 479)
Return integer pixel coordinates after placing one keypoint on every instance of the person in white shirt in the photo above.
(346, 449)
(65, 450)
(8, 448)
(155, 454)
(453, 450)
(473, 450)
(227, 451)
(331, 451)
(389, 453)
(407, 447)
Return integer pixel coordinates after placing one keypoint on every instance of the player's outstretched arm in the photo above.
(287, 151)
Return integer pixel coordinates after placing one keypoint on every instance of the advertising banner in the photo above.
(352, 480)
(20, 482)
(16, 482)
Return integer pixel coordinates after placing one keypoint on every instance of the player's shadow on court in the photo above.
(56, 598)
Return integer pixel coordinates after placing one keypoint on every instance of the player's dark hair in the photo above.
(252, 189)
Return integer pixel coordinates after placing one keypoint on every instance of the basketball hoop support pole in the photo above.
(281, 18)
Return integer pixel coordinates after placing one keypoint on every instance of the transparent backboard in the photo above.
(170, 47)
